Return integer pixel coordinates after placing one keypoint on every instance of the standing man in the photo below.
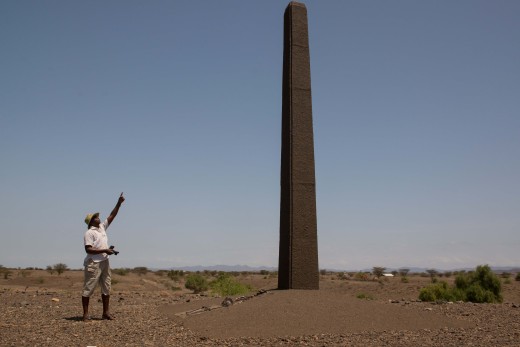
(97, 268)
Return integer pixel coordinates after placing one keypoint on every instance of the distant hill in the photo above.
(424, 269)
(226, 268)
(247, 268)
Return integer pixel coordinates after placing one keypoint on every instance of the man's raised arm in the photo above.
(114, 212)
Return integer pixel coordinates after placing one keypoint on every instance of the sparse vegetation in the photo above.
(403, 272)
(432, 273)
(361, 276)
(5, 272)
(60, 268)
(481, 286)
(24, 273)
(323, 272)
(378, 271)
(121, 271)
(196, 282)
(517, 278)
(50, 269)
(134, 295)
(160, 273)
(140, 270)
(175, 275)
(342, 276)
(364, 296)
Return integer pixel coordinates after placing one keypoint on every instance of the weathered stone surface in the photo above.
(298, 257)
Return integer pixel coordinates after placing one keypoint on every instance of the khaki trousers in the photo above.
(97, 273)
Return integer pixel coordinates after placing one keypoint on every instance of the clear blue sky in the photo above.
(178, 104)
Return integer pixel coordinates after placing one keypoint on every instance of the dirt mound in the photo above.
(304, 312)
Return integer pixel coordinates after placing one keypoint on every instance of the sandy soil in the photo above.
(44, 310)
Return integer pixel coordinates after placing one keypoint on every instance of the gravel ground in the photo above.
(52, 318)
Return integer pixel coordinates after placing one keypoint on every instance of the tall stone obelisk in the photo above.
(298, 257)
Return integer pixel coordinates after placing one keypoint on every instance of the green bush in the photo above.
(197, 283)
(480, 286)
(225, 284)
(439, 291)
(517, 278)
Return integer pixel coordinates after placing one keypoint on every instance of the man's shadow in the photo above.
(80, 319)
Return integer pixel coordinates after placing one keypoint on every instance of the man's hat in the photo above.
(89, 217)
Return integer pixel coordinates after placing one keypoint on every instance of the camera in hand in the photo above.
(115, 252)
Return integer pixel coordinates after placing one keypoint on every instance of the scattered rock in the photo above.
(227, 302)
(55, 299)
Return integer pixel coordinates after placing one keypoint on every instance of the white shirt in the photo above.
(97, 238)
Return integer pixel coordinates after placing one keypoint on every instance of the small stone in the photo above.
(428, 309)
(227, 302)
(55, 299)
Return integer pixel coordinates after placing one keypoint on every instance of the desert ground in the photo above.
(40, 309)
